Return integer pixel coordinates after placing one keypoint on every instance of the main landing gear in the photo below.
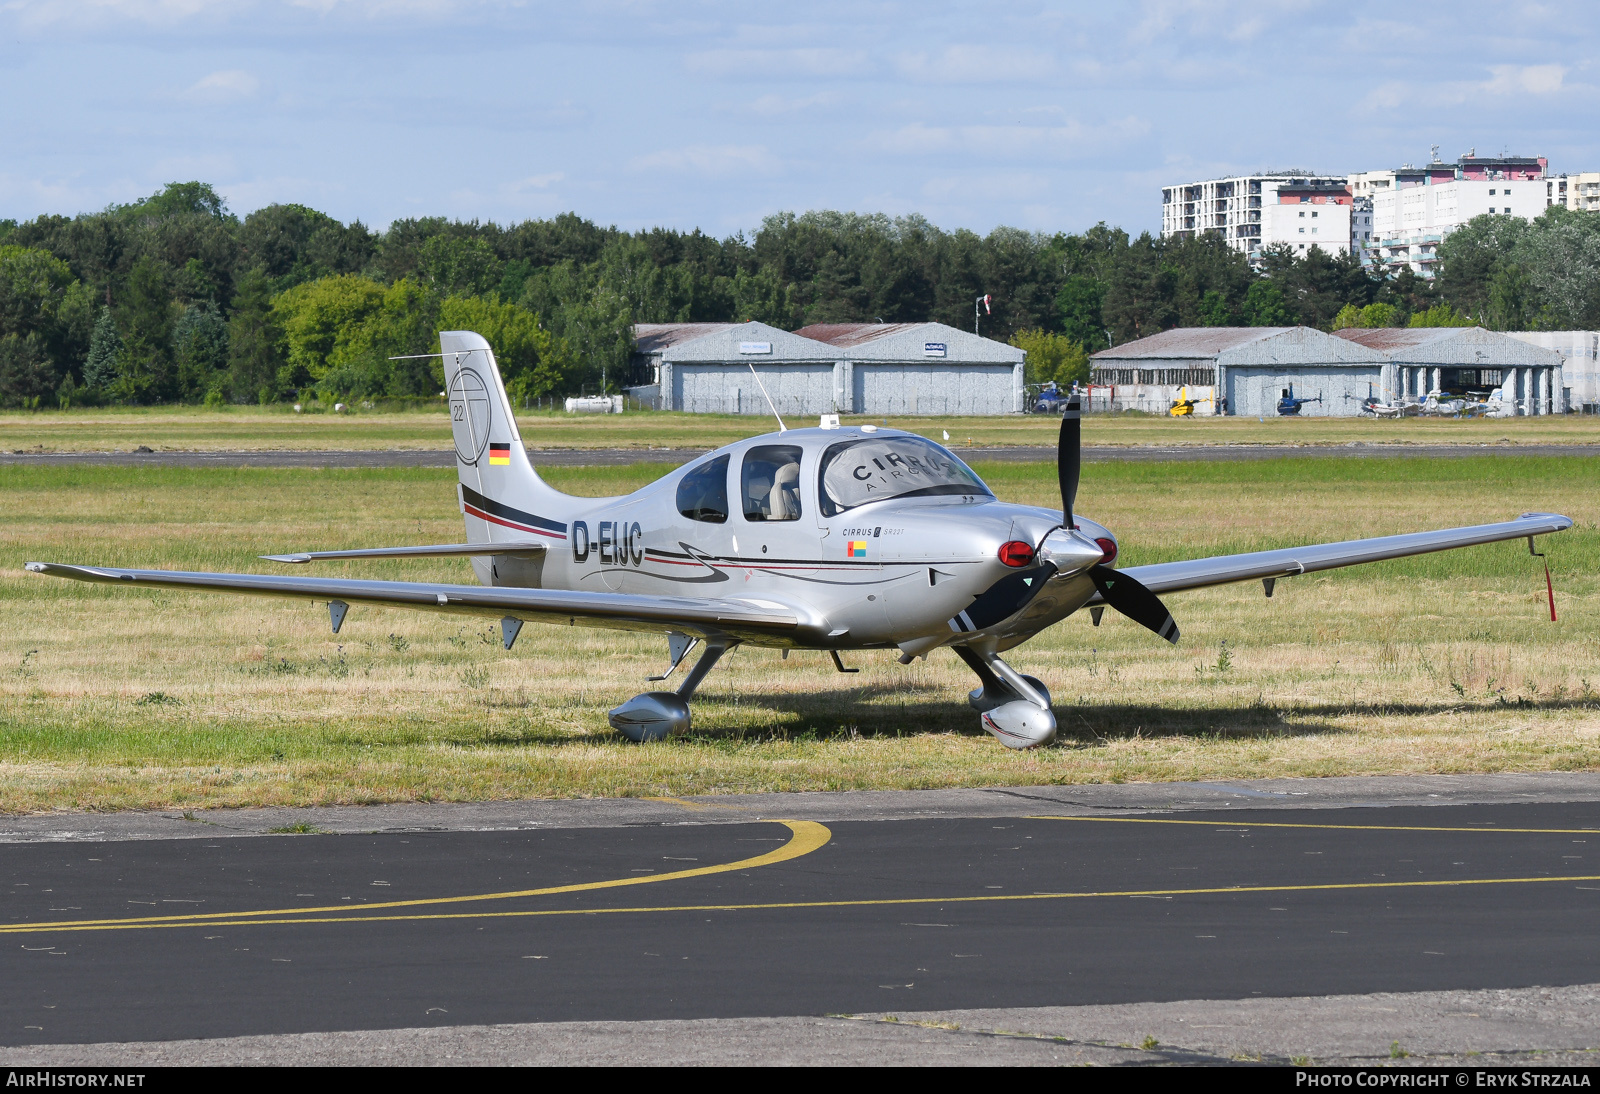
(1015, 708)
(658, 714)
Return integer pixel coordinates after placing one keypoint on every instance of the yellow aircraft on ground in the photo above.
(1184, 407)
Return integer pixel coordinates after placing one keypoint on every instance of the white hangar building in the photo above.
(1241, 370)
(1461, 359)
(1246, 370)
(1580, 363)
(846, 368)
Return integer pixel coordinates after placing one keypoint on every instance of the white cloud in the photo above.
(535, 182)
(1503, 81)
(778, 64)
(1006, 186)
(772, 106)
(228, 85)
(976, 64)
(710, 159)
(1008, 141)
(1528, 79)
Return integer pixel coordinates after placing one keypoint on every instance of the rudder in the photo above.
(502, 497)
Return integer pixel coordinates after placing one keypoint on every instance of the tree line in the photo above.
(176, 299)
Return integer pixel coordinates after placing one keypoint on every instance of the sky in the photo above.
(1043, 116)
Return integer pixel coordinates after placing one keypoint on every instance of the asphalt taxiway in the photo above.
(517, 928)
(612, 457)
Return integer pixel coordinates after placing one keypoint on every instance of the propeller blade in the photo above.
(1004, 599)
(1134, 601)
(1069, 459)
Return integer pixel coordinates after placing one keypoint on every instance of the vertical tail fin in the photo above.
(502, 496)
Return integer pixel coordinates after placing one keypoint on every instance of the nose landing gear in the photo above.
(1013, 707)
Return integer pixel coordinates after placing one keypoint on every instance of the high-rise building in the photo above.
(1414, 208)
(1581, 191)
(1236, 209)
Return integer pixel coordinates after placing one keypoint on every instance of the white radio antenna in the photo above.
(781, 427)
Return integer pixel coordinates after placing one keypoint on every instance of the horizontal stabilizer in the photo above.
(525, 549)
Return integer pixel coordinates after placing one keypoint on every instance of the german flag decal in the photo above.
(500, 454)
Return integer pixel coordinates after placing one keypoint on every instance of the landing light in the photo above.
(1109, 546)
(1016, 553)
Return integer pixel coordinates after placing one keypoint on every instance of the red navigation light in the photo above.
(1016, 553)
(1109, 546)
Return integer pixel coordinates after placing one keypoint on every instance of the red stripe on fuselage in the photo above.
(481, 515)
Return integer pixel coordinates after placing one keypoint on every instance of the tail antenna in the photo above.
(781, 427)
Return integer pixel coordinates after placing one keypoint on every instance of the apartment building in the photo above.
(1305, 215)
(1235, 208)
(1414, 208)
(1580, 191)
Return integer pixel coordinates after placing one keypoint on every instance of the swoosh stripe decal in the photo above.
(475, 511)
(499, 509)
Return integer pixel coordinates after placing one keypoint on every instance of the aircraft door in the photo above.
(776, 535)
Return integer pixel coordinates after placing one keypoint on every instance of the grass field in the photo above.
(115, 699)
(278, 428)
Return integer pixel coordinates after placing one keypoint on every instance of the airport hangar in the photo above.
(843, 368)
(1245, 370)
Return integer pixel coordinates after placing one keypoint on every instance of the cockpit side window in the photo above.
(771, 482)
(703, 492)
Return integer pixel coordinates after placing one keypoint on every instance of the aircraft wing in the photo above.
(620, 611)
(1165, 577)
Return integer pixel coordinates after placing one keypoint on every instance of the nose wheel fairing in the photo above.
(1013, 708)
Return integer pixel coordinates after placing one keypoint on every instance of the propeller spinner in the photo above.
(1067, 550)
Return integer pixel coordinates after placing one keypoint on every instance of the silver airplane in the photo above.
(830, 539)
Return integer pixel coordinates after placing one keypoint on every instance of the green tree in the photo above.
(1472, 256)
(1052, 357)
(1264, 306)
(1139, 291)
(146, 321)
(104, 363)
(321, 317)
(1512, 303)
(254, 358)
(1214, 310)
(1440, 315)
(376, 352)
(1561, 253)
(1078, 311)
(533, 362)
(459, 266)
(26, 372)
(180, 197)
(200, 352)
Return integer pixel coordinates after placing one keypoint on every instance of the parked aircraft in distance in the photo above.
(834, 538)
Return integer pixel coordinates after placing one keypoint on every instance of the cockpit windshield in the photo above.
(875, 468)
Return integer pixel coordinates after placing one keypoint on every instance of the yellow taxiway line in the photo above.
(806, 837)
(1331, 827)
(121, 925)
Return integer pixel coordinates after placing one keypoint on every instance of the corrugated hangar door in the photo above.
(894, 387)
(1256, 391)
(731, 389)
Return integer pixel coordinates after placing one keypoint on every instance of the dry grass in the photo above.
(277, 428)
(113, 699)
